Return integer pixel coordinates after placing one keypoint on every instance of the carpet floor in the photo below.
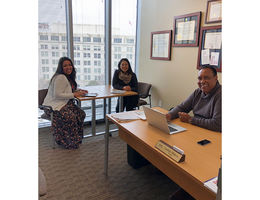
(79, 174)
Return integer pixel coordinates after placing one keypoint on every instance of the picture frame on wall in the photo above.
(214, 11)
(210, 48)
(186, 30)
(161, 45)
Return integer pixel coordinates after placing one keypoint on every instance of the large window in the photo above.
(88, 39)
(123, 32)
(88, 24)
(52, 34)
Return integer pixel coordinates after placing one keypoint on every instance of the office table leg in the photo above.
(93, 122)
(105, 107)
(121, 104)
(109, 106)
(106, 146)
(79, 103)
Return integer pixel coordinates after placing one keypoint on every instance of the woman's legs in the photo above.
(129, 102)
(68, 126)
(117, 105)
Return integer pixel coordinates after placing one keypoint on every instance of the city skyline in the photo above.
(88, 53)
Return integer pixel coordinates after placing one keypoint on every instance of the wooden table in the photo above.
(201, 162)
(103, 92)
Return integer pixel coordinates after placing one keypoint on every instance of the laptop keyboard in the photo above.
(172, 129)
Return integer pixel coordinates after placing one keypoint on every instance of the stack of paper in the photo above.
(90, 94)
(125, 116)
(114, 91)
(212, 184)
(141, 115)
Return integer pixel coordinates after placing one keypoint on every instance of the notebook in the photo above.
(115, 91)
(90, 95)
(158, 120)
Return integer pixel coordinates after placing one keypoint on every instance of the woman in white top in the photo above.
(67, 117)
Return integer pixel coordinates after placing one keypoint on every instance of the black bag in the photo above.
(134, 159)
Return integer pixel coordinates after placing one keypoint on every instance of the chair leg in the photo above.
(150, 101)
(53, 142)
(52, 136)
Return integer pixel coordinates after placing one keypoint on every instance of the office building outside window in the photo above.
(88, 38)
(123, 32)
(54, 38)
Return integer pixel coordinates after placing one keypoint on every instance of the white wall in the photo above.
(172, 81)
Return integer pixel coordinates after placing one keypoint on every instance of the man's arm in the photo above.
(185, 106)
(214, 123)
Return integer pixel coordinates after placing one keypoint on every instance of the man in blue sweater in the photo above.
(205, 102)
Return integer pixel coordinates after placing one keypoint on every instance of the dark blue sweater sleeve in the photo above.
(134, 83)
(119, 84)
(116, 81)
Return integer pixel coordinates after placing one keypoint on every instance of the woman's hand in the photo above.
(127, 88)
(80, 93)
(86, 91)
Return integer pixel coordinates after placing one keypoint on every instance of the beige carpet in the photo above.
(78, 174)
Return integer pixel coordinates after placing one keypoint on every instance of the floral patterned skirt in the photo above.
(67, 125)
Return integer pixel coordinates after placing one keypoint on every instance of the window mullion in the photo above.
(69, 28)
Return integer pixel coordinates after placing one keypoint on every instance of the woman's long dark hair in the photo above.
(129, 71)
(72, 76)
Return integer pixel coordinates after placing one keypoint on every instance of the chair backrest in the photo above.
(41, 95)
(143, 89)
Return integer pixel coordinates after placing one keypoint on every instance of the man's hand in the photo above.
(184, 117)
(168, 117)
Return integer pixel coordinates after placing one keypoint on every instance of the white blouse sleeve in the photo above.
(62, 88)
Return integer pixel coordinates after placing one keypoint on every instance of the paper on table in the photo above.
(114, 91)
(125, 116)
(212, 184)
(141, 115)
(90, 94)
(128, 116)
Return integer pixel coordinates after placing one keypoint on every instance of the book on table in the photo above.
(90, 94)
(115, 91)
(212, 184)
(128, 116)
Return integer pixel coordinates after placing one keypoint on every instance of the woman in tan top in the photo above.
(67, 117)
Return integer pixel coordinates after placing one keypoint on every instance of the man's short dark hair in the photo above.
(213, 69)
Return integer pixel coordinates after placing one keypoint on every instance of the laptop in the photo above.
(158, 120)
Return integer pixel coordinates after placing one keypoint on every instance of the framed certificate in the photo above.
(186, 30)
(210, 48)
(161, 45)
(214, 11)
